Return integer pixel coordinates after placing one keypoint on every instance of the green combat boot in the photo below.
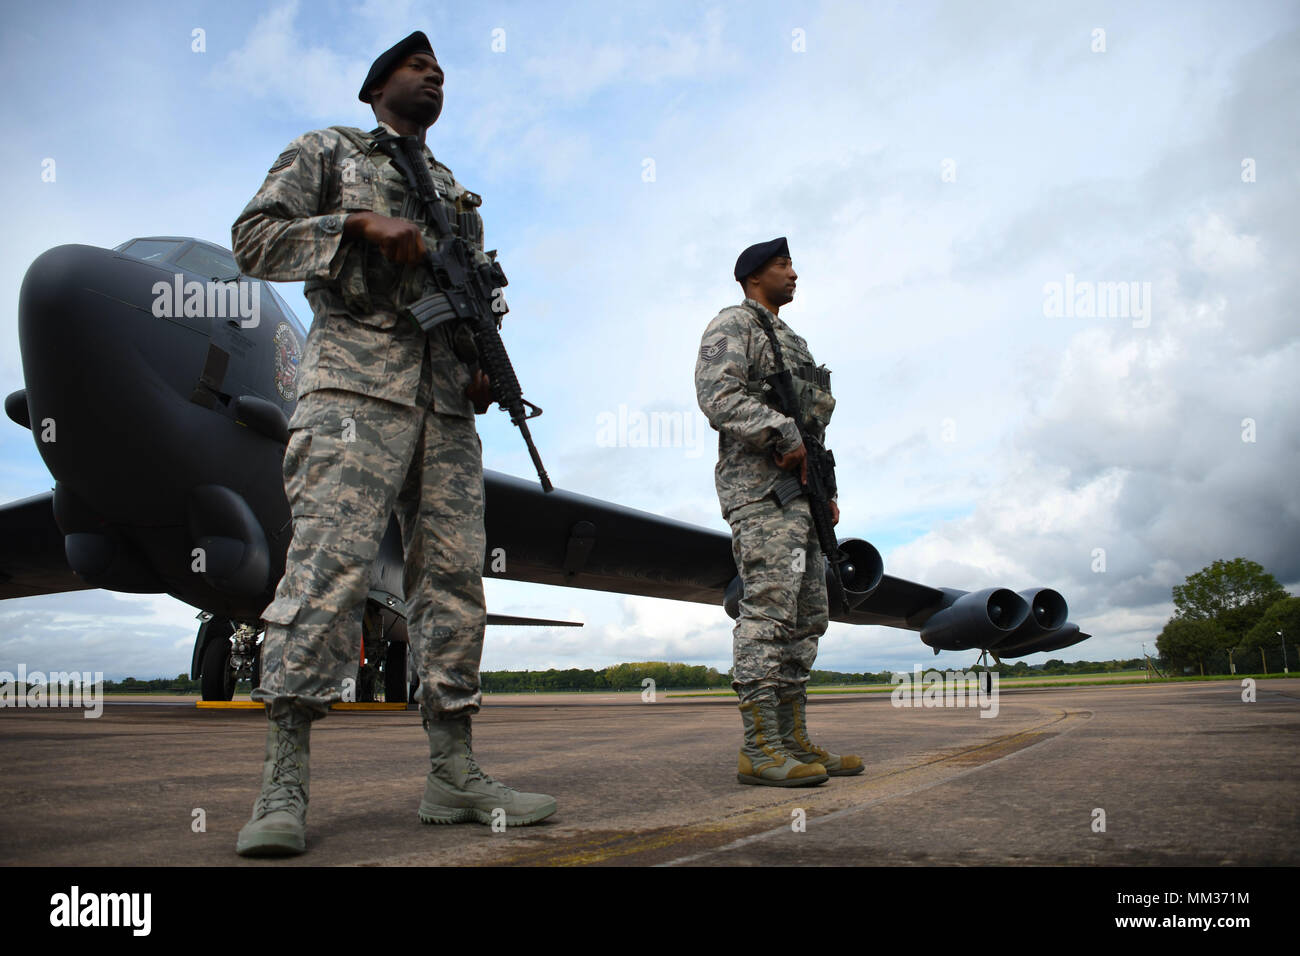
(279, 822)
(763, 760)
(793, 720)
(457, 791)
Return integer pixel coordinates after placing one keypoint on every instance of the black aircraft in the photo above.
(158, 387)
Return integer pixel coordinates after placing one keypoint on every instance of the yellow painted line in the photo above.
(229, 705)
(378, 705)
(255, 705)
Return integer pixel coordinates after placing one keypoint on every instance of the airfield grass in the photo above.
(1055, 680)
(1062, 680)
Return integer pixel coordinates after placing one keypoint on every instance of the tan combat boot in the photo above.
(457, 791)
(279, 823)
(763, 760)
(792, 718)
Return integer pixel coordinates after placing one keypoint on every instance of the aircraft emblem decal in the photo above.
(287, 354)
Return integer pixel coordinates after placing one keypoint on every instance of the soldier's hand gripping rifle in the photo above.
(821, 466)
(467, 291)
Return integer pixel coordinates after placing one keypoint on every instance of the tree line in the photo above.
(1227, 619)
(666, 676)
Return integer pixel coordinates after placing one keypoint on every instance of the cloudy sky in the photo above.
(945, 173)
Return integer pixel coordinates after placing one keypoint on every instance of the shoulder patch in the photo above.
(709, 353)
(285, 160)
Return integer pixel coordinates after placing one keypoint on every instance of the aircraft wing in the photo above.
(572, 540)
(32, 559)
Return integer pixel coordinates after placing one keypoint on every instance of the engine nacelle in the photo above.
(975, 620)
(1054, 641)
(1047, 614)
(861, 570)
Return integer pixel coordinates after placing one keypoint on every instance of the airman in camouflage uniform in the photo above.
(384, 422)
(783, 608)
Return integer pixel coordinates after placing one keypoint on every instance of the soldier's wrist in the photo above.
(789, 440)
(354, 226)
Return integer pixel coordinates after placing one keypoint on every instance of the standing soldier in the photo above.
(385, 420)
(783, 610)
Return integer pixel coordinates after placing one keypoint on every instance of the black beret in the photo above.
(390, 60)
(757, 256)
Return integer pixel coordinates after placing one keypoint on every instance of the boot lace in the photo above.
(801, 733)
(286, 790)
(474, 772)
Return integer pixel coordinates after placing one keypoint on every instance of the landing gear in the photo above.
(395, 672)
(986, 679)
(216, 679)
(226, 652)
(384, 665)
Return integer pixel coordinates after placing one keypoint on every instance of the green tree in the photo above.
(1186, 642)
(1233, 594)
(1284, 616)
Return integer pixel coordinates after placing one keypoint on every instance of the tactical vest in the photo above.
(812, 390)
(373, 281)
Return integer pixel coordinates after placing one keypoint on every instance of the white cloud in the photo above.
(924, 297)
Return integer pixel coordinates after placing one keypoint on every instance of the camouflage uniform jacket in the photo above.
(734, 356)
(293, 229)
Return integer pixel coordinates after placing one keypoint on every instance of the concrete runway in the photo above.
(1187, 774)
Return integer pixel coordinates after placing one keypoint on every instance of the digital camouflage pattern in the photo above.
(734, 356)
(783, 611)
(382, 424)
(293, 229)
(427, 467)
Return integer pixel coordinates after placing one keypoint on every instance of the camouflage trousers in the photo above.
(783, 612)
(351, 461)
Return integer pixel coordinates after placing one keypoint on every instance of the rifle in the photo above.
(821, 466)
(467, 291)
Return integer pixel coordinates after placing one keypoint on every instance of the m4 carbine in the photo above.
(821, 466)
(468, 290)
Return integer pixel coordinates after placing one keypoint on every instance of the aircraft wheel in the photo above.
(216, 680)
(395, 672)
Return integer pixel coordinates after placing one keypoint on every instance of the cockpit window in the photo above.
(152, 250)
(208, 262)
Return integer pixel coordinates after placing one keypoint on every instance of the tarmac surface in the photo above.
(1186, 774)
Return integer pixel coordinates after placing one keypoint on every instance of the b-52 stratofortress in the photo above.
(158, 385)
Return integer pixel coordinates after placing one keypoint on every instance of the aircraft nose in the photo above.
(55, 345)
(50, 315)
